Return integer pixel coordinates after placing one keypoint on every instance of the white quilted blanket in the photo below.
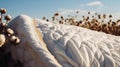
(78, 47)
(69, 46)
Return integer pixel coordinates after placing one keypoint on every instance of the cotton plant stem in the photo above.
(1, 19)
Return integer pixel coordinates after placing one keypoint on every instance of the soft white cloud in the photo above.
(95, 3)
(70, 11)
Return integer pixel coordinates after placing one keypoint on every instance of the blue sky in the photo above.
(40, 8)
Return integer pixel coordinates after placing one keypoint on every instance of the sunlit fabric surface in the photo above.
(66, 45)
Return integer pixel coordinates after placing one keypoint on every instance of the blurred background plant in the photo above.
(7, 39)
(6, 33)
(93, 21)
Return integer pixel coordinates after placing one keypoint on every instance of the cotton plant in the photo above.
(7, 35)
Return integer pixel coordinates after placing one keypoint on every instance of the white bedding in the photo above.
(68, 46)
(78, 47)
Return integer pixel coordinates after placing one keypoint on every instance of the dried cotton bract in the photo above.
(2, 40)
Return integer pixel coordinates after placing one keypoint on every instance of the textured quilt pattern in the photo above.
(78, 47)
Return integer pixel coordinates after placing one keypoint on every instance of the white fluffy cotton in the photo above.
(2, 40)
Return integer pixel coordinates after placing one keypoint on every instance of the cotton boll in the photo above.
(17, 40)
(56, 14)
(9, 35)
(4, 24)
(8, 17)
(12, 39)
(2, 40)
(3, 10)
(10, 31)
